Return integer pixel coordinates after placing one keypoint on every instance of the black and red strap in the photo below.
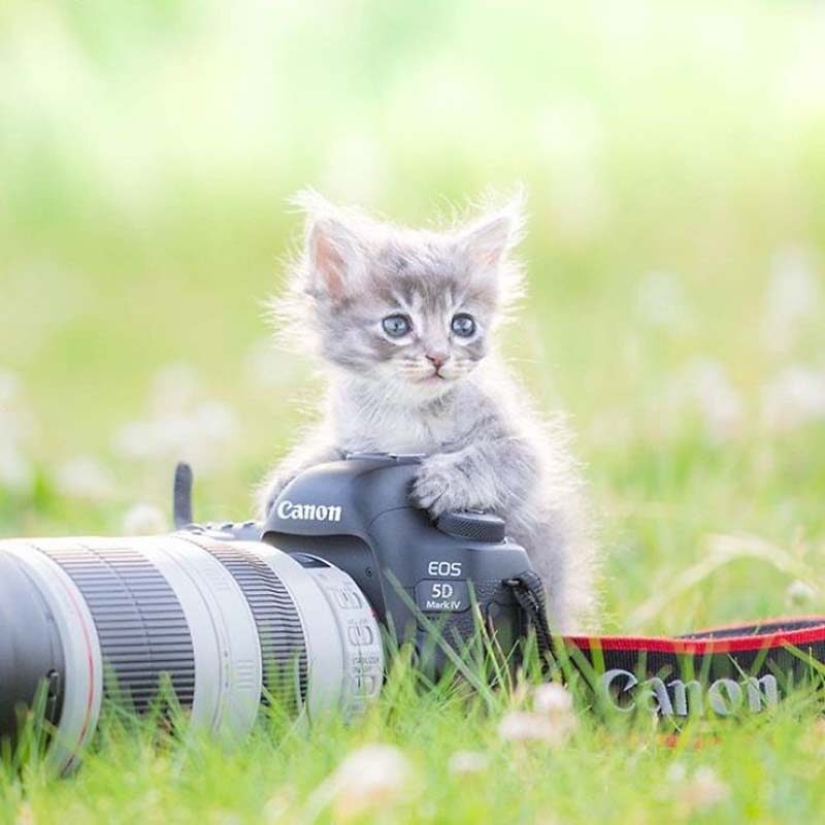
(723, 669)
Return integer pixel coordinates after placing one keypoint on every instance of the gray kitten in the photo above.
(403, 321)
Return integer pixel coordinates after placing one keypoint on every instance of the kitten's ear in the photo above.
(488, 240)
(335, 257)
(333, 254)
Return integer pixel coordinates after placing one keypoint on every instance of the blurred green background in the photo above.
(675, 158)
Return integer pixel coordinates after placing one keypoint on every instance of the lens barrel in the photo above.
(226, 625)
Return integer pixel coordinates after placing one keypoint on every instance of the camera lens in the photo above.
(227, 625)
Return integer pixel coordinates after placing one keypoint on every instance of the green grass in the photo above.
(766, 768)
(146, 154)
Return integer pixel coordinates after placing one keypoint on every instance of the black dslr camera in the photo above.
(416, 574)
(233, 616)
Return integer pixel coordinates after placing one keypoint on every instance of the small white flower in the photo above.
(85, 477)
(523, 726)
(676, 773)
(135, 440)
(369, 780)
(794, 397)
(800, 594)
(704, 387)
(9, 389)
(25, 815)
(16, 471)
(465, 763)
(144, 520)
(552, 699)
(276, 808)
(794, 297)
(661, 301)
(188, 427)
(718, 401)
(175, 388)
(703, 790)
(220, 817)
(15, 418)
(266, 367)
(216, 422)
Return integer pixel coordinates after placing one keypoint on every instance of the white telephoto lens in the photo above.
(225, 625)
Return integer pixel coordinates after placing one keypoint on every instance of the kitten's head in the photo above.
(412, 310)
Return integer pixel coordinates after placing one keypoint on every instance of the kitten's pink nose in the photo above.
(437, 359)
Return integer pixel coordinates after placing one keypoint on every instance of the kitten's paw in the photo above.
(441, 486)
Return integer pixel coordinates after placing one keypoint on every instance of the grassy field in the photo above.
(675, 159)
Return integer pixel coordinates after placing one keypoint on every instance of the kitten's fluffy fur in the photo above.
(488, 449)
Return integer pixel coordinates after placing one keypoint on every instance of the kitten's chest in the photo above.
(401, 431)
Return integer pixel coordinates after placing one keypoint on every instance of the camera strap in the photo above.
(740, 666)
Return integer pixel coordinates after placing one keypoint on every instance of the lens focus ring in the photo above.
(283, 648)
(142, 630)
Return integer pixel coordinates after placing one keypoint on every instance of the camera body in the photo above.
(417, 574)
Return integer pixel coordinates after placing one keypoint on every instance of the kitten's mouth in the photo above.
(433, 378)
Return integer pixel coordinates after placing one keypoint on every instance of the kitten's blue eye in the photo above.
(463, 325)
(396, 326)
